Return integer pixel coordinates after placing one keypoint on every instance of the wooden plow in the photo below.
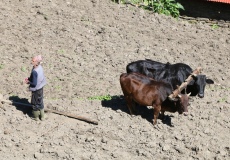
(184, 84)
(48, 110)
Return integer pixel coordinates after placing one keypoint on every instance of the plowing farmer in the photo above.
(36, 83)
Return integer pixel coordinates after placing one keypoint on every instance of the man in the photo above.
(36, 83)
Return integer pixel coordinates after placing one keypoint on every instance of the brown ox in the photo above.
(148, 92)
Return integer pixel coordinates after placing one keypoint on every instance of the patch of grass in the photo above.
(58, 87)
(219, 88)
(101, 98)
(61, 51)
(1, 66)
(215, 26)
(23, 69)
(167, 7)
(224, 99)
(84, 18)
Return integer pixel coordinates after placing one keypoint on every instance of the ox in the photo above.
(174, 74)
(148, 92)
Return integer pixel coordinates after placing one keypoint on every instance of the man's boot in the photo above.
(36, 115)
(42, 114)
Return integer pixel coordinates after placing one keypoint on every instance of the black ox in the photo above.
(174, 74)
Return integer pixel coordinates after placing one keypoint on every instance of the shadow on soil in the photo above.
(205, 9)
(119, 103)
(19, 104)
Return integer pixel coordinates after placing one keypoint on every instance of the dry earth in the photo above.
(86, 45)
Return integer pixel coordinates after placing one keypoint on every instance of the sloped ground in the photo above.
(86, 46)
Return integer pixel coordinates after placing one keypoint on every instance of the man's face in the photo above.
(34, 62)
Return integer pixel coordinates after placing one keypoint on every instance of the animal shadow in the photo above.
(26, 109)
(118, 102)
(148, 114)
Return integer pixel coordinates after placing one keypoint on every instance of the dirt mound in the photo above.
(86, 46)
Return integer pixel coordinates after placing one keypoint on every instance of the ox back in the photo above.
(148, 92)
(174, 74)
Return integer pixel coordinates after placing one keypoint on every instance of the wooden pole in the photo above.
(72, 116)
(53, 111)
(185, 83)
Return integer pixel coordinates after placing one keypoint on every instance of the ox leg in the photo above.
(162, 115)
(130, 104)
(156, 112)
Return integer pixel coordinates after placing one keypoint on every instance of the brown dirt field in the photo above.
(86, 45)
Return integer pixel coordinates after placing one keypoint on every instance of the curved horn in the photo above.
(188, 94)
(184, 84)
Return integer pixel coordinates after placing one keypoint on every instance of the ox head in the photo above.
(199, 84)
(182, 103)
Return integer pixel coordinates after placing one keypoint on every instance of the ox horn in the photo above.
(189, 94)
(184, 84)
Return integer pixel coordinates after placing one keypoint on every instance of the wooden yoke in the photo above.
(184, 84)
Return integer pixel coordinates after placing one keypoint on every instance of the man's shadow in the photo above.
(118, 103)
(21, 104)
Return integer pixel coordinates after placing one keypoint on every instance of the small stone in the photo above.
(166, 148)
(89, 139)
(37, 155)
(6, 132)
(104, 140)
(118, 111)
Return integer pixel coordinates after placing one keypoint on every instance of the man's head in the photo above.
(36, 60)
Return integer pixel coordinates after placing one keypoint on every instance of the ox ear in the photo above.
(209, 81)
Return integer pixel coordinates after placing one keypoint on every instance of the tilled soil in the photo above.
(86, 45)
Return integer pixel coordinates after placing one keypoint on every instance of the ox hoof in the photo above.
(185, 113)
(154, 122)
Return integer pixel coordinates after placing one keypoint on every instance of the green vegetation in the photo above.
(106, 97)
(224, 99)
(61, 51)
(23, 69)
(84, 18)
(214, 88)
(58, 87)
(215, 26)
(1, 66)
(223, 89)
(167, 7)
